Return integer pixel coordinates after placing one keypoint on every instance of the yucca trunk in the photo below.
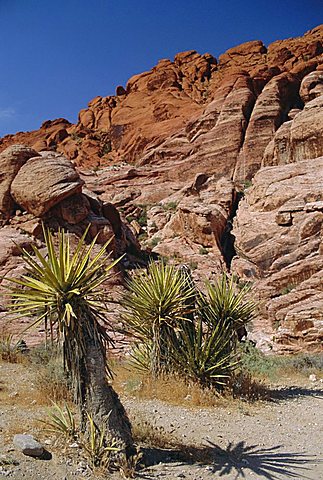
(99, 398)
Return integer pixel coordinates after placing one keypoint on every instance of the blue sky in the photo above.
(56, 55)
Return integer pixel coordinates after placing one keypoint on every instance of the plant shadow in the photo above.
(235, 459)
(286, 393)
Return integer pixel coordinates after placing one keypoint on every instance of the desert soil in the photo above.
(280, 439)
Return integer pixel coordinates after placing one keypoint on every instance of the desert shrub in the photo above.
(170, 206)
(243, 385)
(51, 380)
(256, 363)
(148, 433)
(154, 242)
(287, 289)
(305, 363)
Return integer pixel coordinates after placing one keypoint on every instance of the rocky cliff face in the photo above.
(175, 151)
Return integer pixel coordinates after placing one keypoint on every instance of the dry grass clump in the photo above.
(149, 434)
(175, 390)
(242, 385)
(168, 388)
(50, 380)
(9, 349)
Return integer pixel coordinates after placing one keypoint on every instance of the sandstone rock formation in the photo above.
(190, 225)
(11, 160)
(166, 160)
(168, 100)
(279, 245)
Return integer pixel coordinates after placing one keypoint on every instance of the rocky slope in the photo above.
(175, 150)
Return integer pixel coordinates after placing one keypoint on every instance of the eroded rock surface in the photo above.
(166, 160)
(278, 231)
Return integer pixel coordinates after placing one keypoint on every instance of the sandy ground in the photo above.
(272, 440)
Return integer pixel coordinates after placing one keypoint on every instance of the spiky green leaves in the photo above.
(65, 289)
(224, 301)
(181, 330)
(157, 303)
(56, 283)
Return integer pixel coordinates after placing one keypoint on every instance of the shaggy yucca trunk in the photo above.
(102, 402)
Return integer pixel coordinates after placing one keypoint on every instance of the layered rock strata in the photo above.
(176, 149)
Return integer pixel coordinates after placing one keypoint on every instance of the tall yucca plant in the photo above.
(64, 289)
(156, 305)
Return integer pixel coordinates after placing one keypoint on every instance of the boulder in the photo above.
(74, 208)
(44, 182)
(11, 160)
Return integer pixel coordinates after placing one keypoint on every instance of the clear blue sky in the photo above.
(56, 55)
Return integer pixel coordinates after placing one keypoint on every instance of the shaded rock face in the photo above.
(278, 232)
(190, 227)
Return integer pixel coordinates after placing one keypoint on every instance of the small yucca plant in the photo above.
(226, 303)
(61, 421)
(178, 329)
(203, 353)
(9, 349)
(97, 447)
(156, 305)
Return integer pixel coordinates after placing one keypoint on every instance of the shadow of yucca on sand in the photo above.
(270, 463)
(265, 462)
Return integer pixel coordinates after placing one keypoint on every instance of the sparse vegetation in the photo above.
(154, 242)
(97, 445)
(105, 148)
(142, 220)
(193, 265)
(9, 349)
(247, 184)
(170, 206)
(203, 250)
(52, 380)
(288, 289)
(271, 367)
(61, 421)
